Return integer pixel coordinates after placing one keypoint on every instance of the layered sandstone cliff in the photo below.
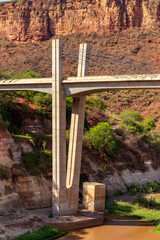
(20, 189)
(39, 20)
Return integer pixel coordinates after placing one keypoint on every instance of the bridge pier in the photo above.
(59, 191)
(65, 189)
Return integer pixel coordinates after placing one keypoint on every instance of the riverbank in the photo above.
(144, 206)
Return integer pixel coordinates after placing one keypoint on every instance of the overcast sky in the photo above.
(4, 0)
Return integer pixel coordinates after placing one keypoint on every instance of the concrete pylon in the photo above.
(76, 135)
(59, 191)
(65, 191)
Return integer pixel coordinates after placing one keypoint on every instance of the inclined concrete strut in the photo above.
(66, 173)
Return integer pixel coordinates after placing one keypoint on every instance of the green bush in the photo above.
(37, 162)
(4, 172)
(102, 171)
(119, 131)
(147, 203)
(44, 233)
(135, 188)
(95, 101)
(26, 75)
(5, 75)
(8, 110)
(118, 193)
(87, 140)
(102, 139)
(132, 120)
(149, 124)
(3, 124)
(126, 115)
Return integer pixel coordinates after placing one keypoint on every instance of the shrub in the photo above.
(43, 99)
(26, 75)
(126, 115)
(37, 162)
(95, 101)
(1, 123)
(102, 171)
(144, 202)
(11, 153)
(132, 120)
(135, 188)
(102, 139)
(5, 75)
(87, 140)
(4, 172)
(149, 124)
(119, 131)
(118, 193)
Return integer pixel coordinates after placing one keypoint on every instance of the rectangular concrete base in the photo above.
(94, 196)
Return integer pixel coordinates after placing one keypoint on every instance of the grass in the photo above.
(135, 210)
(44, 233)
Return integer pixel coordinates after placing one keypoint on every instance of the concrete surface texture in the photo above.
(94, 196)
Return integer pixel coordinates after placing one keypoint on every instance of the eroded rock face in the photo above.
(34, 192)
(9, 151)
(36, 20)
(10, 204)
(20, 189)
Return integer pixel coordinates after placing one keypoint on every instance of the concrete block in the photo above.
(94, 196)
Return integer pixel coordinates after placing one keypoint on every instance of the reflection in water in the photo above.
(116, 229)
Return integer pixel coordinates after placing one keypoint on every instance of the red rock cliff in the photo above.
(39, 20)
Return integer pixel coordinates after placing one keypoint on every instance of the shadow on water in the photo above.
(76, 235)
(126, 222)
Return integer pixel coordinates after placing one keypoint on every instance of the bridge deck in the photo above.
(77, 86)
(109, 78)
(35, 84)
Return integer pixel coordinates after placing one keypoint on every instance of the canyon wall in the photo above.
(40, 20)
(19, 189)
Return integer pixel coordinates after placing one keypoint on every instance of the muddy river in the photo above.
(116, 229)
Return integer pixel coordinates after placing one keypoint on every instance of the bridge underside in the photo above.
(65, 184)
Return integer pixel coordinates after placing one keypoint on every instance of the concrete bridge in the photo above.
(65, 188)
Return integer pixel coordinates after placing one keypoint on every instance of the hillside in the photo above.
(39, 20)
(109, 54)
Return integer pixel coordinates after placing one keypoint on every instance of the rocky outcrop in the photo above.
(20, 189)
(10, 204)
(9, 151)
(39, 20)
(34, 192)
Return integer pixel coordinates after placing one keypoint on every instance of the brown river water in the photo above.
(116, 229)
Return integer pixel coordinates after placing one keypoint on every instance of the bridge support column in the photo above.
(59, 191)
(76, 135)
